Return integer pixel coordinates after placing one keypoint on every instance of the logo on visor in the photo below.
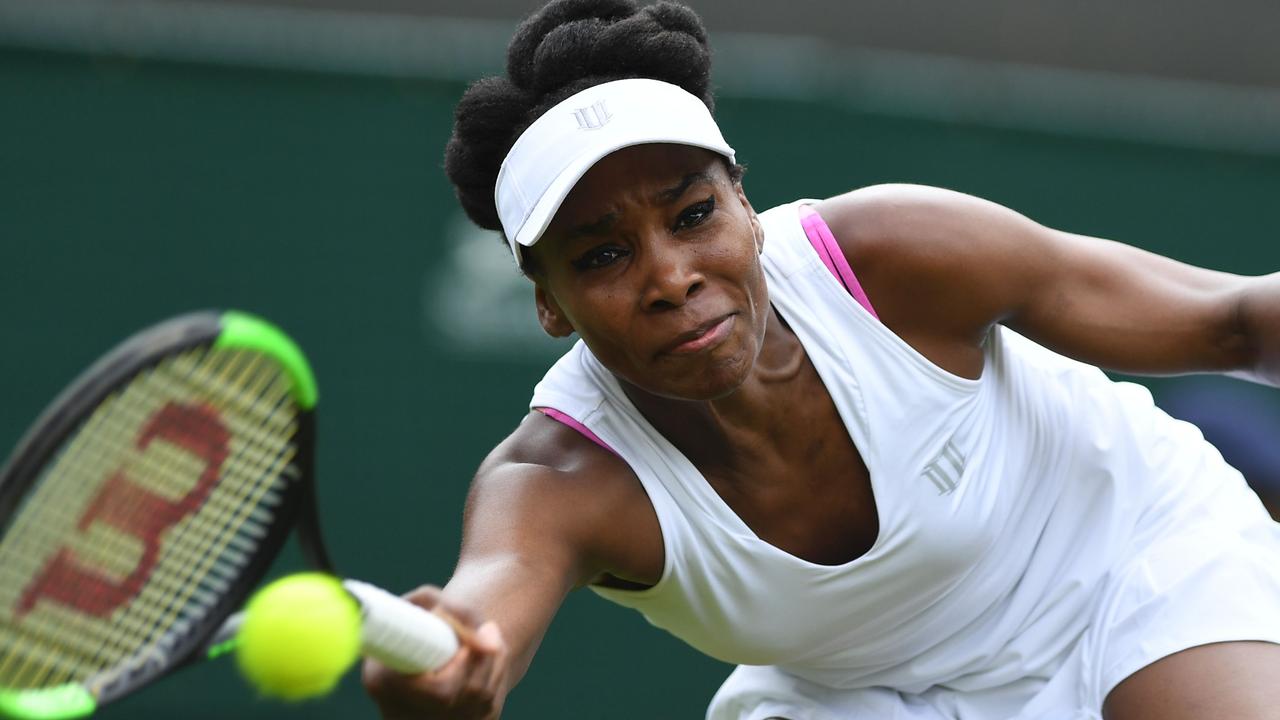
(592, 118)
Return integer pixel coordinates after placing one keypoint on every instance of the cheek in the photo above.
(731, 249)
(751, 278)
(601, 319)
(756, 297)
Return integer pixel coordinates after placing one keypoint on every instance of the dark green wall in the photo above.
(131, 191)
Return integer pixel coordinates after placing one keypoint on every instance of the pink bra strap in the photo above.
(824, 243)
(555, 414)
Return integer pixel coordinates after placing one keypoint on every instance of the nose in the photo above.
(672, 276)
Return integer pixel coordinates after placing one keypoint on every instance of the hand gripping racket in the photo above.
(148, 500)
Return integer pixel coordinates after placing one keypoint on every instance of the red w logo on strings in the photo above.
(129, 507)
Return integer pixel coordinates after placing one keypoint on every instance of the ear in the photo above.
(550, 316)
(757, 230)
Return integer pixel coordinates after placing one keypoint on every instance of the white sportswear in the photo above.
(1044, 531)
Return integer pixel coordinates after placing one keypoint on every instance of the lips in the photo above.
(704, 336)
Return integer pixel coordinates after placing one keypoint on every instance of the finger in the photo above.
(472, 679)
(448, 680)
(393, 695)
(476, 665)
(425, 596)
(394, 690)
(461, 619)
(503, 660)
(489, 637)
(479, 664)
(463, 626)
(492, 648)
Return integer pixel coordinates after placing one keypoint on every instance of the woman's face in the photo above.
(653, 260)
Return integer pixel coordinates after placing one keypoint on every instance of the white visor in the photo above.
(550, 157)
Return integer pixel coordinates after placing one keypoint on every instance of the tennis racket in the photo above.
(148, 500)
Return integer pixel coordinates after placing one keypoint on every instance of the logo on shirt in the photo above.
(594, 117)
(945, 469)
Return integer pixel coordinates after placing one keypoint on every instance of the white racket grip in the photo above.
(399, 634)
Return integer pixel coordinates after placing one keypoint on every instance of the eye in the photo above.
(599, 257)
(696, 213)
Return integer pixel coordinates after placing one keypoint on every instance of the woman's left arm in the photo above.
(1259, 316)
(971, 263)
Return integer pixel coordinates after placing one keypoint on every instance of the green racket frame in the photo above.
(75, 404)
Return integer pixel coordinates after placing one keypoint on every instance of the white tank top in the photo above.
(1003, 502)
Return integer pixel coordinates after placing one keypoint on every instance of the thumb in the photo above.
(488, 638)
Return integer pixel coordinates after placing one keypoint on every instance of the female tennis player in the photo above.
(858, 446)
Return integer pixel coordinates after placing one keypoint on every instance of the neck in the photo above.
(730, 431)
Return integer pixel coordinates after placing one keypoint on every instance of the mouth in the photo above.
(703, 337)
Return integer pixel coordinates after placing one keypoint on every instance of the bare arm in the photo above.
(547, 512)
(971, 263)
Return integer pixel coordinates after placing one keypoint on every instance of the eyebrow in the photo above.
(673, 193)
(596, 227)
(603, 225)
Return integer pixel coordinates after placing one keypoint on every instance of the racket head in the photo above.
(144, 504)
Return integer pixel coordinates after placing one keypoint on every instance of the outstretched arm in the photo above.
(1259, 316)
(548, 511)
(972, 263)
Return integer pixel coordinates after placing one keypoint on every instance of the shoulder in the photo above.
(934, 260)
(540, 441)
(557, 462)
(905, 222)
(548, 483)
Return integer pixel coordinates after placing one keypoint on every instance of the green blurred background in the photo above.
(135, 185)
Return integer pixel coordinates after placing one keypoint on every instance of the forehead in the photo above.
(634, 173)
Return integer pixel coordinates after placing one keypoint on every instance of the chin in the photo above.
(713, 383)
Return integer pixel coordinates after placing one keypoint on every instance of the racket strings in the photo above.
(196, 557)
(84, 554)
(208, 575)
(128, 627)
(211, 571)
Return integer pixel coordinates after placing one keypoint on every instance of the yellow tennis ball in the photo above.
(300, 634)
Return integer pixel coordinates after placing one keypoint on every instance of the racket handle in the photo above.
(399, 634)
